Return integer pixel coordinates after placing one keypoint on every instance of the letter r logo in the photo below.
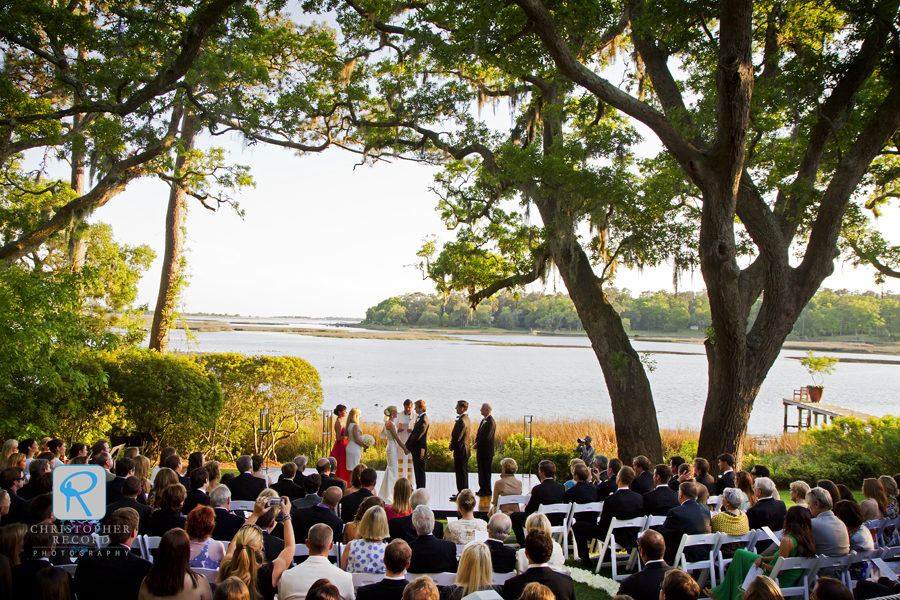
(79, 492)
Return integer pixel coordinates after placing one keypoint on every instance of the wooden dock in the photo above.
(808, 413)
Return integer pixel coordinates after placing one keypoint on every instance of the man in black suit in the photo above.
(227, 523)
(503, 557)
(538, 548)
(702, 476)
(645, 584)
(323, 468)
(690, 518)
(547, 491)
(40, 544)
(124, 468)
(286, 486)
(685, 474)
(768, 511)
(583, 492)
(245, 486)
(599, 468)
(301, 462)
(459, 445)
(114, 572)
(726, 468)
(396, 560)
(643, 478)
(311, 487)
(623, 505)
(417, 443)
(401, 528)
(12, 480)
(484, 449)
(350, 503)
(321, 513)
(198, 495)
(605, 488)
(657, 502)
(430, 554)
(174, 462)
(130, 490)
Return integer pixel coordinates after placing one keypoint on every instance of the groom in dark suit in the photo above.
(459, 445)
(417, 444)
(484, 450)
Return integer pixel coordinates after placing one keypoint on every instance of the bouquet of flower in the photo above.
(368, 441)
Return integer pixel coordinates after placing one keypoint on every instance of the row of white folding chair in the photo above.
(479, 536)
(714, 503)
(878, 528)
(301, 550)
(809, 566)
(564, 509)
(521, 500)
(609, 543)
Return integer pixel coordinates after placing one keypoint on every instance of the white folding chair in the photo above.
(212, 575)
(596, 507)
(877, 526)
(839, 567)
(891, 555)
(150, 543)
(241, 505)
(564, 509)
(439, 579)
(809, 566)
(361, 579)
(521, 500)
(708, 564)
(69, 568)
(300, 550)
(749, 541)
(714, 503)
(501, 578)
(609, 543)
(857, 558)
(481, 536)
(452, 519)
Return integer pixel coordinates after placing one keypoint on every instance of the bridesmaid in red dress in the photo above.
(339, 451)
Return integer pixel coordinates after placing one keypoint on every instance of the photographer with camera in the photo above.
(585, 450)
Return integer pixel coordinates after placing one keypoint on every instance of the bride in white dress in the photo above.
(394, 446)
(355, 444)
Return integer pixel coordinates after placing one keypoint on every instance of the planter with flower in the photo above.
(817, 367)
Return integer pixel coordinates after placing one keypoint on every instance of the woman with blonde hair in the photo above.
(474, 574)
(164, 478)
(351, 529)
(16, 459)
(507, 485)
(12, 541)
(402, 493)
(366, 554)
(9, 447)
(142, 472)
(355, 444)
(246, 560)
(891, 510)
(392, 451)
(540, 521)
(875, 504)
(462, 531)
(215, 474)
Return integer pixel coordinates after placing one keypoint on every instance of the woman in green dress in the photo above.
(797, 541)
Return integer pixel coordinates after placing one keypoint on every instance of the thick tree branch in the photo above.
(542, 257)
(872, 259)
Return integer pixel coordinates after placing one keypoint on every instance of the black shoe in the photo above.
(453, 498)
(483, 494)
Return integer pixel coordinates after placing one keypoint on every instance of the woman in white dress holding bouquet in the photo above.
(355, 443)
(394, 446)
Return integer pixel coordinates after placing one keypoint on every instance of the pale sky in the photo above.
(321, 239)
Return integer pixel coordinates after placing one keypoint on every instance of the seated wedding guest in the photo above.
(142, 472)
(744, 482)
(798, 492)
(311, 486)
(36, 467)
(12, 541)
(557, 559)
(610, 485)
(115, 571)
(286, 486)
(54, 584)
(702, 476)
(296, 581)
(10, 447)
(689, 518)
(246, 560)
(658, 501)
(17, 459)
(175, 463)
(623, 505)
(245, 486)
(168, 515)
(206, 553)
(326, 471)
(759, 471)
(572, 464)
(598, 469)
(731, 521)
(199, 494)
(195, 461)
(892, 510)
(769, 510)
(429, 554)
(355, 484)
(763, 588)
(831, 488)
(797, 541)
(227, 523)
(507, 485)
(865, 589)
(678, 585)
(38, 547)
(829, 588)
(323, 590)
(273, 544)
(301, 462)
(537, 591)
(874, 505)
(171, 574)
(396, 559)
(727, 477)
(643, 478)
(503, 557)
(474, 574)
(351, 529)
(366, 554)
(12, 480)
(462, 531)
(215, 474)
(547, 491)
(130, 491)
(646, 583)
(164, 478)
(231, 589)
(77, 449)
(583, 492)
(124, 468)
(538, 548)
(305, 518)
(400, 506)
(845, 493)
(351, 501)
(685, 474)
(830, 533)
(402, 527)
(851, 516)
(421, 588)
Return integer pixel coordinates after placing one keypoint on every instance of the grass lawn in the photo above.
(786, 496)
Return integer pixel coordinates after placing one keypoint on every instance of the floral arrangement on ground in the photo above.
(595, 581)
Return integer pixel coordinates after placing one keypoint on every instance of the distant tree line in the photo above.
(829, 313)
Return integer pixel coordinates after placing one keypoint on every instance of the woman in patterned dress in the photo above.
(366, 554)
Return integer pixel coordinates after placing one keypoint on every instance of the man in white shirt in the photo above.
(295, 582)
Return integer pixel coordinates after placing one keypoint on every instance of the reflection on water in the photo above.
(568, 382)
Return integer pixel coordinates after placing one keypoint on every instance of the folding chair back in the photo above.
(241, 505)
(877, 527)
(361, 579)
(501, 578)
(592, 507)
(439, 579)
(748, 540)
(565, 509)
(858, 558)
(212, 575)
(151, 543)
(809, 566)
(520, 500)
(837, 567)
(714, 503)
(708, 563)
(610, 544)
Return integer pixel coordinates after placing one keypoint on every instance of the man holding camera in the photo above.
(586, 450)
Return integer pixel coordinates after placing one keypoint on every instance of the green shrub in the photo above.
(516, 447)
(841, 467)
(440, 458)
(876, 438)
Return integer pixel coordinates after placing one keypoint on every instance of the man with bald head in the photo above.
(329, 479)
(484, 449)
(645, 584)
(323, 512)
